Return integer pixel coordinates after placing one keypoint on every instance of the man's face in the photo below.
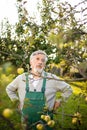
(38, 63)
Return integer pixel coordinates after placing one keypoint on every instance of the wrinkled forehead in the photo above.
(39, 54)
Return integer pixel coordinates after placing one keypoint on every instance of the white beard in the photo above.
(37, 70)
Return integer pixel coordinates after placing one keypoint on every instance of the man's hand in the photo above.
(56, 105)
(16, 103)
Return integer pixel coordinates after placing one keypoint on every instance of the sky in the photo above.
(8, 9)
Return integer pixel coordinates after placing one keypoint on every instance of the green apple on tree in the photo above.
(20, 70)
(43, 117)
(86, 98)
(40, 127)
(47, 118)
(7, 112)
(51, 123)
(74, 120)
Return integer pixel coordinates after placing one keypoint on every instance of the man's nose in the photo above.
(40, 62)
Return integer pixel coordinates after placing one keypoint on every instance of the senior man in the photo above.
(37, 90)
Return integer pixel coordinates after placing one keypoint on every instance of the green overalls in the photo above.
(34, 104)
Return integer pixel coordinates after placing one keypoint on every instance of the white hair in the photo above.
(39, 52)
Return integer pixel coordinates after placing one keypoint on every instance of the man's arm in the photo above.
(66, 92)
(11, 89)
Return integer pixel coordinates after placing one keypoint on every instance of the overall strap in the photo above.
(27, 82)
(44, 83)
